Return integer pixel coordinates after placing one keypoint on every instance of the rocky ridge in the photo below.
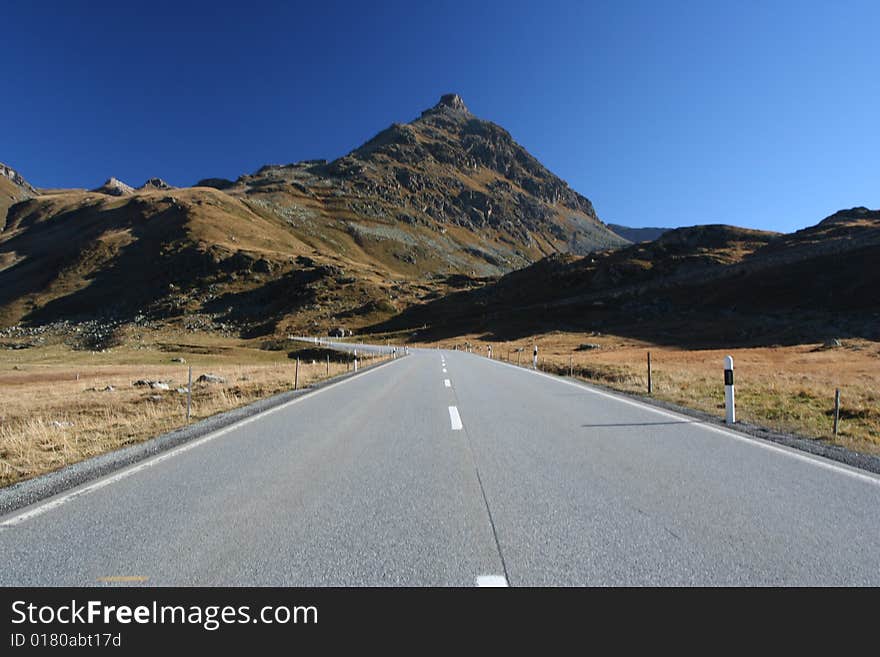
(16, 179)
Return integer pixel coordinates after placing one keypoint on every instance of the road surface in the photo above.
(446, 468)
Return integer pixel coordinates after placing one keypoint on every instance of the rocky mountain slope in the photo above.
(13, 189)
(299, 247)
(447, 193)
(705, 285)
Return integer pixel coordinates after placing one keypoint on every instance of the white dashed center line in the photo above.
(447, 383)
(455, 418)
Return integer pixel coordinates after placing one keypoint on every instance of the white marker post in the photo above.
(489, 348)
(355, 360)
(729, 396)
(189, 394)
(535, 358)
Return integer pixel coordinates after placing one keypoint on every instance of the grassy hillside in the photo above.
(706, 286)
(300, 247)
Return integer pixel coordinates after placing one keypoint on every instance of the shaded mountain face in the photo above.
(705, 286)
(297, 247)
(637, 235)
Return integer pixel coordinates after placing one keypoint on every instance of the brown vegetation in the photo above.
(56, 407)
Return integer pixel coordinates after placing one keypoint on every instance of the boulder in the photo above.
(263, 266)
(210, 378)
(154, 385)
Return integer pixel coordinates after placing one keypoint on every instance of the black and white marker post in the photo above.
(535, 358)
(729, 396)
(355, 360)
(489, 349)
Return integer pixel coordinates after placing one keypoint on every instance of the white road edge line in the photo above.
(455, 418)
(447, 383)
(750, 440)
(63, 498)
(492, 581)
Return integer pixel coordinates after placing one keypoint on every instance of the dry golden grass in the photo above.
(784, 388)
(49, 419)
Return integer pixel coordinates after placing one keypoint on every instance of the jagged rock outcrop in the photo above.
(13, 189)
(16, 179)
(450, 103)
(115, 187)
(154, 184)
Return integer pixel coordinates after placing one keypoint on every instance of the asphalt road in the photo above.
(407, 474)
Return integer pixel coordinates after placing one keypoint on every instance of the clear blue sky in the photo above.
(756, 113)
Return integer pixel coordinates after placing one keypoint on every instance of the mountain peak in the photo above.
(154, 183)
(448, 103)
(114, 187)
(453, 101)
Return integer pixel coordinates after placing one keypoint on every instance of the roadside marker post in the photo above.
(489, 350)
(296, 375)
(650, 381)
(836, 409)
(729, 395)
(570, 365)
(189, 394)
(355, 360)
(328, 364)
(535, 358)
